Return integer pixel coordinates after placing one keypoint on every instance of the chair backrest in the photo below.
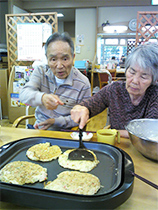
(112, 72)
(104, 77)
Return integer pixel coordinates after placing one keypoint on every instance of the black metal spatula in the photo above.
(81, 153)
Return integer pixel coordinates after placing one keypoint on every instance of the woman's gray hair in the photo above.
(65, 37)
(146, 56)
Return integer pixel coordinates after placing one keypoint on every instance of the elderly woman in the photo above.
(135, 98)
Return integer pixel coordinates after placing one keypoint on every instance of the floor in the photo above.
(96, 123)
(5, 123)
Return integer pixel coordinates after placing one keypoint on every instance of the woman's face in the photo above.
(137, 81)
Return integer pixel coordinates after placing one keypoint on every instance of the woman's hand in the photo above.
(80, 114)
(51, 101)
(45, 125)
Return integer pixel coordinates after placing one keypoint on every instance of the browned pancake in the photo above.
(80, 165)
(75, 182)
(23, 172)
(43, 152)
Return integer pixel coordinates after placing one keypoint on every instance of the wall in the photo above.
(86, 25)
(17, 10)
(61, 26)
(121, 14)
(3, 11)
(70, 28)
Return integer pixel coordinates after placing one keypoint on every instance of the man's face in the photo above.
(60, 59)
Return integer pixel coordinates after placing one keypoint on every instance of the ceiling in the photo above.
(68, 7)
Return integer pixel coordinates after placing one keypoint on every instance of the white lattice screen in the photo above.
(147, 26)
(11, 31)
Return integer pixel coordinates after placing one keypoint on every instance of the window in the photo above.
(108, 47)
(111, 41)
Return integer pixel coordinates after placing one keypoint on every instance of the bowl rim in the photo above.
(137, 120)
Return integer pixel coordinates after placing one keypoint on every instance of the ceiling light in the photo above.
(60, 15)
(154, 2)
(114, 29)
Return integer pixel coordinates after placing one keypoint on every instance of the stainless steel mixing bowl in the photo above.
(143, 134)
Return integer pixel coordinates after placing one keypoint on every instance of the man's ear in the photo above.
(74, 60)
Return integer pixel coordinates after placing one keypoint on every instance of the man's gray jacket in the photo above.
(75, 88)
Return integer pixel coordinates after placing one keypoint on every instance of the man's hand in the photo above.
(45, 125)
(80, 114)
(51, 101)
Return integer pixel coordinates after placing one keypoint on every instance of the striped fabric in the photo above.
(121, 109)
(75, 88)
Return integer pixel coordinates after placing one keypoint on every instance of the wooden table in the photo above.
(120, 70)
(143, 196)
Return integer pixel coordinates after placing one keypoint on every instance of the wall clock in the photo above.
(133, 25)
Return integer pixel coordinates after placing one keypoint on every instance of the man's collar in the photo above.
(68, 80)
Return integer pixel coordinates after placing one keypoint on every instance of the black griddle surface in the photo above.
(110, 170)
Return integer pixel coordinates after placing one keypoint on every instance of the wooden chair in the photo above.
(29, 117)
(17, 122)
(93, 124)
(106, 77)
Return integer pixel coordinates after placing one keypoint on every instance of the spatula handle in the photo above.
(81, 145)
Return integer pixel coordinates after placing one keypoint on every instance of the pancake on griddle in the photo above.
(75, 182)
(43, 152)
(23, 172)
(80, 165)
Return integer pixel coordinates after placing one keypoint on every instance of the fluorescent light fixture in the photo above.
(154, 2)
(60, 15)
(115, 29)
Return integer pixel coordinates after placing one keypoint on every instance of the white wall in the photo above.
(60, 26)
(86, 25)
(17, 10)
(121, 14)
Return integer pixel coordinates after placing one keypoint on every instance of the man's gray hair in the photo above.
(65, 37)
(146, 56)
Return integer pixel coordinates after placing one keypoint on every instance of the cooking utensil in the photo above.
(112, 171)
(145, 180)
(143, 134)
(81, 153)
(67, 130)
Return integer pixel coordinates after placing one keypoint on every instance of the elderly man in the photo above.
(55, 88)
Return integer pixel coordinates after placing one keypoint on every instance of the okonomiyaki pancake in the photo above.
(43, 152)
(80, 165)
(75, 182)
(23, 172)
